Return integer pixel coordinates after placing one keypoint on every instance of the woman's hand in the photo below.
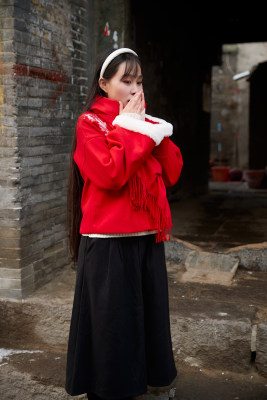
(135, 105)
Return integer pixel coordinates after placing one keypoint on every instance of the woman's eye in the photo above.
(139, 83)
(127, 82)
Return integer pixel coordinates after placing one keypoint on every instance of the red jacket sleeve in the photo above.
(170, 158)
(110, 159)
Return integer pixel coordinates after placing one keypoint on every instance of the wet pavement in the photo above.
(221, 219)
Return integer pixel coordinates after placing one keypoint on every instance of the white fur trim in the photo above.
(155, 131)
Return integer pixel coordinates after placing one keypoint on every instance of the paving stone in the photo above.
(261, 347)
(208, 267)
(251, 256)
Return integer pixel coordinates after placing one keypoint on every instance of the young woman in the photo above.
(121, 160)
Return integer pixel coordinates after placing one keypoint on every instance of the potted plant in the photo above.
(220, 173)
(254, 177)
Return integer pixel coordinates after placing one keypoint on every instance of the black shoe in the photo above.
(93, 396)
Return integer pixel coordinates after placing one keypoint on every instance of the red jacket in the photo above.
(124, 162)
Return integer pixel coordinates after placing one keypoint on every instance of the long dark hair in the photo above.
(75, 182)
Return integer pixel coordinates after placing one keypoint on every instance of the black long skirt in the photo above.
(120, 339)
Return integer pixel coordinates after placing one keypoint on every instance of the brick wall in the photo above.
(9, 166)
(224, 110)
(44, 60)
(229, 130)
(115, 16)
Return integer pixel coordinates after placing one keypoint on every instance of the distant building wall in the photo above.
(224, 110)
(229, 132)
(249, 56)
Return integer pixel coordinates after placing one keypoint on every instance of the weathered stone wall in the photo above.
(112, 27)
(250, 55)
(224, 128)
(44, 56)
(229, 131)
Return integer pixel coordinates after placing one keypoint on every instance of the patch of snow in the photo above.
(6, 353)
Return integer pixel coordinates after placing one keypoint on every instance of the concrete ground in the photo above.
(219, 332)
(224, 218)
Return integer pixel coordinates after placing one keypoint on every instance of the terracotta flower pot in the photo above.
(220, 173)
(254, 177)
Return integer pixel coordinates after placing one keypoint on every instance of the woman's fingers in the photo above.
(135, 102)
(135, 105)
(136, 98)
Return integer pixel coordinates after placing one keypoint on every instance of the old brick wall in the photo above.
(115, 16)
(44, 60)
(229, 130)
(224, 127)
(9, 166)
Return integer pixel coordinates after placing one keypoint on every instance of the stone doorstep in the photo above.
(205, 337)
(219, 334)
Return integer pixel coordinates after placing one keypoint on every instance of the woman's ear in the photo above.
(103, 84)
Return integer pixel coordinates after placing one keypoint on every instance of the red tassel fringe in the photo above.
(142, 200)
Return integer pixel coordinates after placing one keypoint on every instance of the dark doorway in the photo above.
(258, 118)
(178, 47)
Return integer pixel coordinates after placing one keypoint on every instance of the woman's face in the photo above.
(122, 88)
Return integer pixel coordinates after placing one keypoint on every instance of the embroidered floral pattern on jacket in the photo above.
(95, 119)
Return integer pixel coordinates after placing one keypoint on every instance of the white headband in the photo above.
(112, 56)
